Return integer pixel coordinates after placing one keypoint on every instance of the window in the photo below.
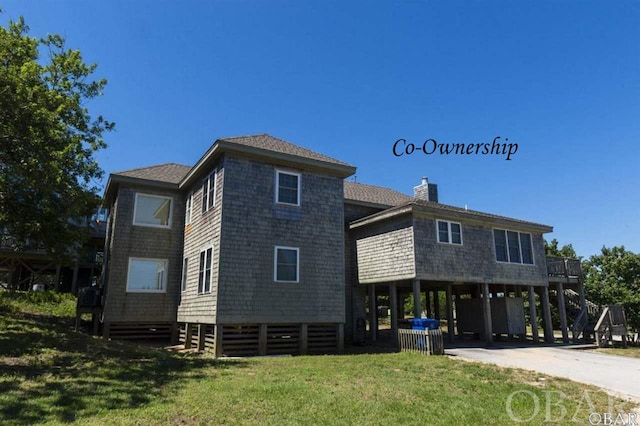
(185, 269)
(187, 209)
(204, 272)
(147, 275)
(209, 192)
(513, 247)
(286, 264)
(288, 187)
(449, 232)
(152, 210)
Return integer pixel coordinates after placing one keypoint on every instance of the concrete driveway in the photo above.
(617, 374)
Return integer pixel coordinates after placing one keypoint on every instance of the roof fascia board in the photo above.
(380, 216)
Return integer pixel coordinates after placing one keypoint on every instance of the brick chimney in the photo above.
(426, 191)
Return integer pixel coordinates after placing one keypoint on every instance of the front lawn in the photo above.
(50, 374)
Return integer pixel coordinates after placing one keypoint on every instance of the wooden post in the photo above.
(262, 339)
(518, 291)
(106, 329)
(373, 313)
(546, 315)
(74, 280)
(401, 306)
(583, 298)
(340, 336)
(450, 329)
(188, 332)
(436, 304)
(95, 319)
(393, 301)
(304, 339)
(217, 341)
(417, 303)
(56, 286)
(427, 296)
(562, 310)
(202, 329)
(486, 313)
(533, 314)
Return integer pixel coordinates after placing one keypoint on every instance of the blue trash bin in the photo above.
(425, 324)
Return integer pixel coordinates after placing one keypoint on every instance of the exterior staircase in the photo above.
(585, 313)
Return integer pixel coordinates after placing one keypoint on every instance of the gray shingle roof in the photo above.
(471, 212)
(269, 143)
(416, 205)
(373, 194)
(169, 173)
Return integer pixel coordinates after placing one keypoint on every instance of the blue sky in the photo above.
(559, 78)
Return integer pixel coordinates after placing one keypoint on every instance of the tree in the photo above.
(48, 173)
(613, 278)
(551, 249)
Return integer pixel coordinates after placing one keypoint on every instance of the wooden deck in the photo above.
(564, 270)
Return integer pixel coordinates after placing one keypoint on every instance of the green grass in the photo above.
(38, 302)
(631, 351)
(49, 374)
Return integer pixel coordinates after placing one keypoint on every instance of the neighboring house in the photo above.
(262, 247)
(31, 267)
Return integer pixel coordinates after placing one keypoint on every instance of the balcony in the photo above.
(564, 269)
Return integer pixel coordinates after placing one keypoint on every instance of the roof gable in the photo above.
(272, 150)
(269, 143)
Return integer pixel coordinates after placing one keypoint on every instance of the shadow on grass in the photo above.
(50, 373)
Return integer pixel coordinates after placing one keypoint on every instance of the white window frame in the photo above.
(151, 225)
(185, 271)
(204, 271)
(164, 276)
(449, 234)
(277, 190)
(275, 264)
(520, 260)
(188, 209)
(208, 199)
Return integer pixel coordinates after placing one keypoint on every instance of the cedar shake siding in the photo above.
(475, 259)
(125, 241)
(253, 224)
(402, 243)
(201, 234)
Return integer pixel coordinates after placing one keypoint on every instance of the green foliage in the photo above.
(47, 139)
(613, 278)
(38, 302)
(551, 249)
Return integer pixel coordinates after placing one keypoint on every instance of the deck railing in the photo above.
(428, 342)
(564, 267)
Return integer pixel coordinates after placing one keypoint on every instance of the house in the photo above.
(263, 247)
(29, 266)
